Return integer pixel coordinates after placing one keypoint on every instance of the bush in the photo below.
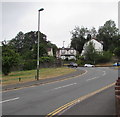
(32, 64)
(29, 64)
(80, 62)
(9, 59)
(104, 57)
(117, 52)
(47, 59)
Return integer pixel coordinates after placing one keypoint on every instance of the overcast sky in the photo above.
(58, 19)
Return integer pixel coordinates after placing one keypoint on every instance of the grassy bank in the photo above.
(104, 65)
(27, 76)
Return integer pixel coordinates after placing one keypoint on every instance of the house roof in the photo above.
(96, 40)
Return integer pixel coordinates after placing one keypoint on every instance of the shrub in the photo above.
(104, 57)
(80, 62)
(32, 64)
(117, 52)
(29, 64)
(9, 59)
(47, 59)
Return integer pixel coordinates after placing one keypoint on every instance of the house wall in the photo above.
(68, 52)
(50, 52)
(64, 53)
(97, 45)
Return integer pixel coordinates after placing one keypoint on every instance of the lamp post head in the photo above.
(41, 9)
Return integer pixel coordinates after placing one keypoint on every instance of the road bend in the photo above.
(44, 99)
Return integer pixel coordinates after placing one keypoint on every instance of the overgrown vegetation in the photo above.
(20, 53)
(108, 35)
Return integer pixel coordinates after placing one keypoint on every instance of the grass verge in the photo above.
(26, 76)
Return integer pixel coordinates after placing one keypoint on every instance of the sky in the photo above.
(58, 18)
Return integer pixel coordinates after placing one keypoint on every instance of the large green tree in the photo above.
(23, 43)
(17, 42)
(9, 59)
(78, 38)
(107, 34)
(26, 46)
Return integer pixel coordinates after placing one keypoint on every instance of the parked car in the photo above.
(116, 64)
(88, 65)
(72, 64)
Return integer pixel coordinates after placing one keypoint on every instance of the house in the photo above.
(50, 51)
(66, 53)
(97, 45)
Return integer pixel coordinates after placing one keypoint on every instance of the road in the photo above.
(44, 99)
(102, 103)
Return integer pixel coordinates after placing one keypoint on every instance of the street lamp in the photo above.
(38, 42)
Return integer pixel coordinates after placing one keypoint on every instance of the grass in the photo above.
(26, 76)
(104, 64)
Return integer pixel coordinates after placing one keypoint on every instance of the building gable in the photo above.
(97, 45)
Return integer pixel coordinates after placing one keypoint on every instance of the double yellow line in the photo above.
(66, 106)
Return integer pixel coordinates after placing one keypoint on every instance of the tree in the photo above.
(53, 46)
(90, 53)
(26, 46)
(106, 34)
(117, 52)
(9, 59)
(17, 42)
(93, 32)
(79, 38)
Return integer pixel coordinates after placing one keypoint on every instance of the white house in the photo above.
(50, 51)
(66, 53)
(97, 45)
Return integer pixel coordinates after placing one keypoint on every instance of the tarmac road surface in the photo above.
(102, 103)
(44, 99)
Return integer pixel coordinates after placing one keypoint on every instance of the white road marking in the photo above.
(9, 100)
(92, 78)
(64, 86)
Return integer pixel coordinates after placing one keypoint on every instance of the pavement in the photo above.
(43, 81)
